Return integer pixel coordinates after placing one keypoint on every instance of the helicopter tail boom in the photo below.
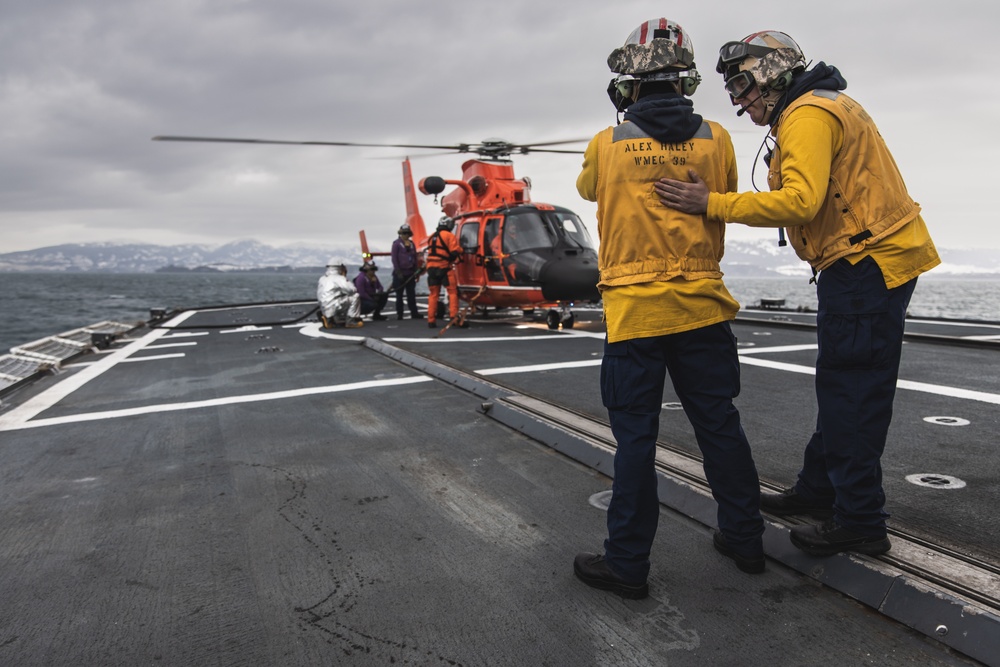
(413, 218)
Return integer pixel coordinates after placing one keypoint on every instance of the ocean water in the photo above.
(35, 305)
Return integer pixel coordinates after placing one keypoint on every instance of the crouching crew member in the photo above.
(373, 295)
(338, 298)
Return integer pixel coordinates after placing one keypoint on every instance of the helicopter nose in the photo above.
(570, 278)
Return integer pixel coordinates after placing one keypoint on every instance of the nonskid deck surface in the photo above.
(285, 495)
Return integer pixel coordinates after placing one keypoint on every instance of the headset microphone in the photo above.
(743, 109)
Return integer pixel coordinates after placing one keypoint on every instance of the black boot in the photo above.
(749, 564)
(790, 502)
(831, 538)
(593, 570)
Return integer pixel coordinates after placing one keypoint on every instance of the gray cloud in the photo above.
(84, 85)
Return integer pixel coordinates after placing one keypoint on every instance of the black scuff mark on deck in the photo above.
(322, 615)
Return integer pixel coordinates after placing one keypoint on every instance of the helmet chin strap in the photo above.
(771, 99)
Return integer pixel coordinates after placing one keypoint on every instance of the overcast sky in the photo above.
(85, 84)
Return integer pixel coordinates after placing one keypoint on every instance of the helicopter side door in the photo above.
(492, 250)
(469, 267)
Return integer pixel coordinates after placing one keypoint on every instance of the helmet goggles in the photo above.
(736, 52)
(740, 84)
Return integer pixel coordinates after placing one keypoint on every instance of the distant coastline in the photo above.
(172, 268)
(742, 259)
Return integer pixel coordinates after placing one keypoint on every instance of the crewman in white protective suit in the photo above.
(338, 298)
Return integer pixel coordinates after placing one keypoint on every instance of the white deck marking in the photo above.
(153, 357)
(184, 334)
(160, 347)
(954, 392)
(313, 330)
(84, 364)
(534, 368)
(480, 339)
(211, 403)
(245, 329)
(977, 325)
(939, 389)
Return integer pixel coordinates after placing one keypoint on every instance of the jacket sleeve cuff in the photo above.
(716, 206)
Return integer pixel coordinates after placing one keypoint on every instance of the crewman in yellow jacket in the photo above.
(838, 193)
(665, 306)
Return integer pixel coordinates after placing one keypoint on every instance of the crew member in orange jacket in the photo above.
(442, 252)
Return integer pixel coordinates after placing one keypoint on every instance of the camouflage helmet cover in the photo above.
(776, 54)
(654, 45)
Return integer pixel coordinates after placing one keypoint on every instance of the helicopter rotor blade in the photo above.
(419, 156)
(226, 140)
(555, 143)
(524, 150)
(489, 148)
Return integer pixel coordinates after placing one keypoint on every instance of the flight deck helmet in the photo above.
(769, 59)
(446, 223)
(658, 50)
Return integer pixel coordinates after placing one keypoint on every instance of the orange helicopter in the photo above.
(516, 253)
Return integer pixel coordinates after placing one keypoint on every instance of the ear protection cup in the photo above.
(689, 84)
(620, 93)
(782, 82)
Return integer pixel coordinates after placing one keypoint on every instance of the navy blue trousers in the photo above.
(859, 327)
(405, 283)
(705, 371)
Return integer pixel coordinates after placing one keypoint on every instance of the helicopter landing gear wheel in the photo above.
(552, 319)
(568, 321)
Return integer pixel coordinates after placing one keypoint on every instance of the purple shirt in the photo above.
(404, 259)
(367, 289)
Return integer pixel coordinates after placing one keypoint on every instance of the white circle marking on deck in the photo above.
(601, 500)
(947, 421)
(935, 481)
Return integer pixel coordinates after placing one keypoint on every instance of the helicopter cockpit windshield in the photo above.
(536, 229)
(573, 229)
(527, 230)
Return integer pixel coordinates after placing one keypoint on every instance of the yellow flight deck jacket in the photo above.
(837, 190)
(659, 267)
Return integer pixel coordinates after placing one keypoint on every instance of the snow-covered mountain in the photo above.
(761, 258)
(147, 258)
